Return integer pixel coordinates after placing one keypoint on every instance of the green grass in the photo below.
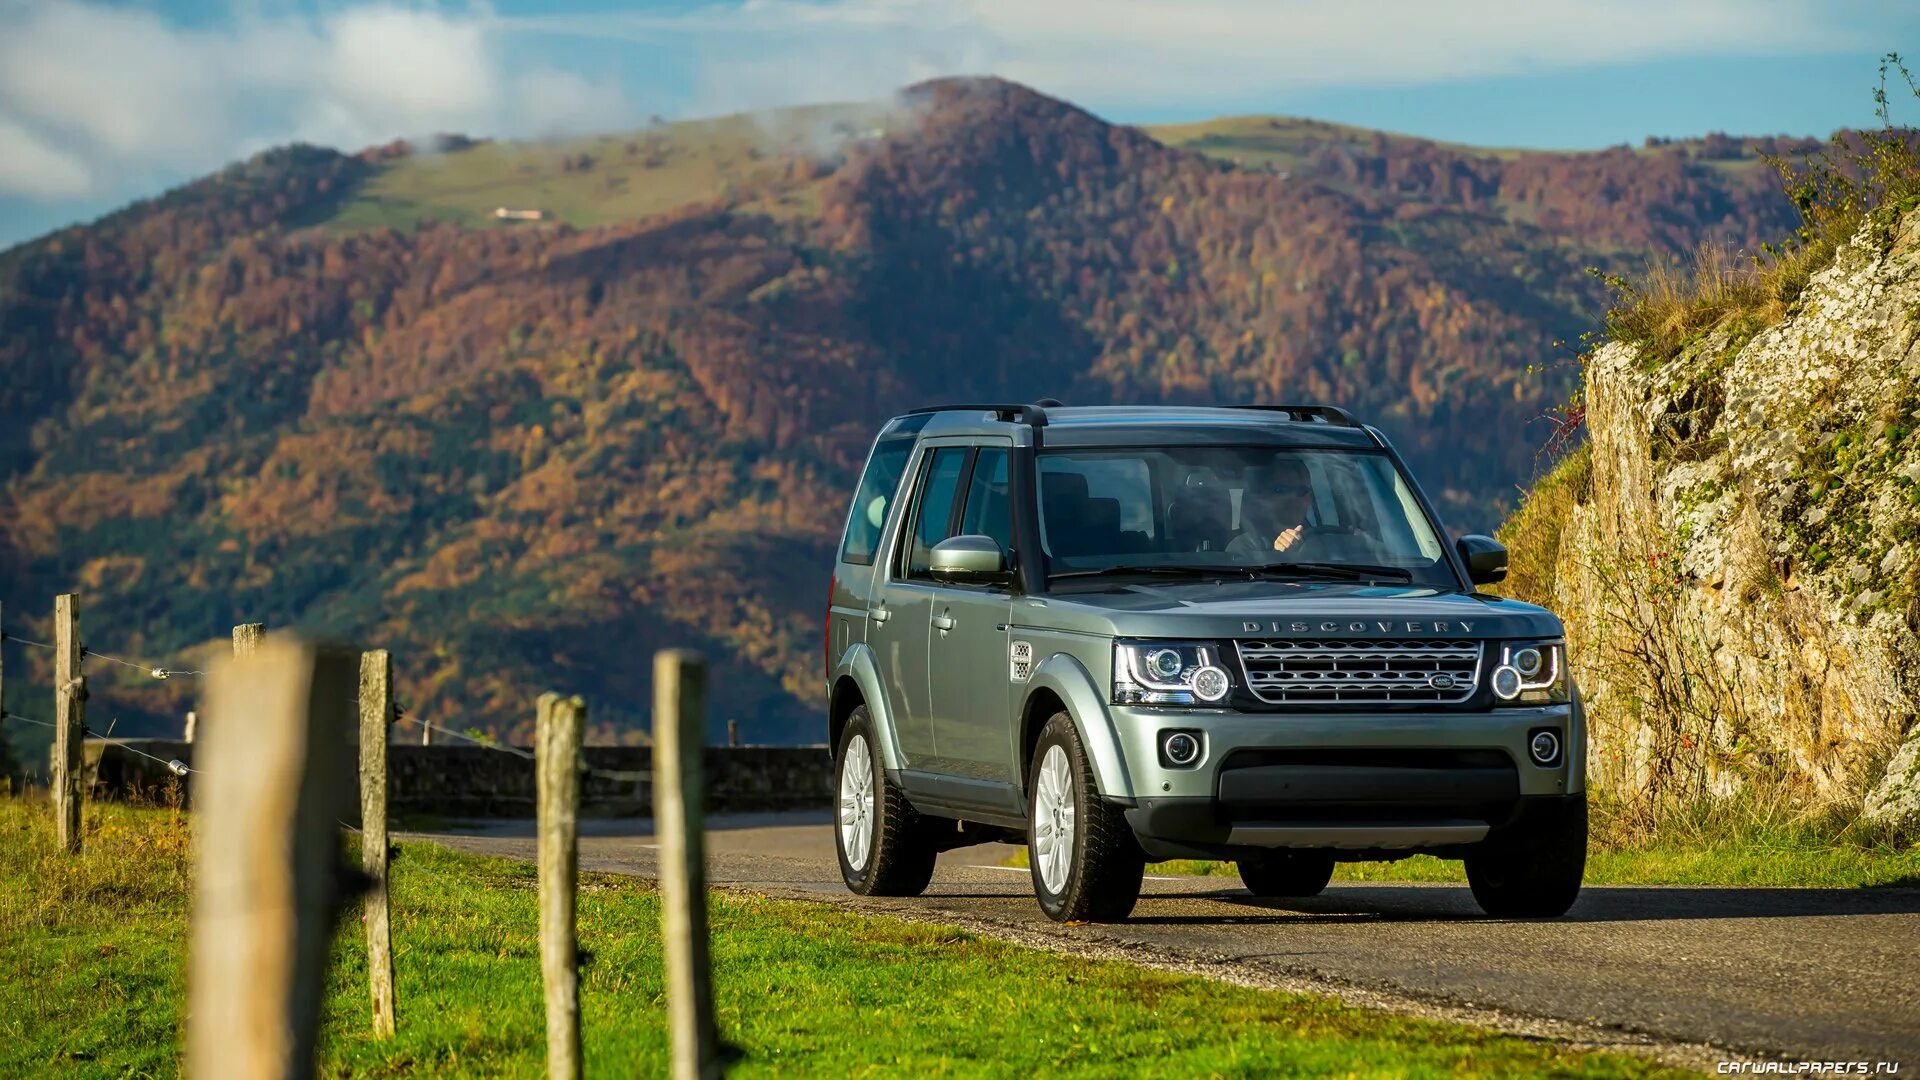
(739, 160)
(92, 969)
(1730, 845)
(1283, 142)
(1745, 865)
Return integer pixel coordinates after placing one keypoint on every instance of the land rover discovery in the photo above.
(1127, 634)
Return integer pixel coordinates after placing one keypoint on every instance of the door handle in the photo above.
(879, 614)
(943, 622)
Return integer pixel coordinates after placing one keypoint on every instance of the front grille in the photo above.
(1362, 672)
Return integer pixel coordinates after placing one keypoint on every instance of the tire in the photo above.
(1286, 873)
(1533, 870)
(885, 846)
(1086, 865)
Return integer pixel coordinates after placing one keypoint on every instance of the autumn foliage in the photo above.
(523, 458)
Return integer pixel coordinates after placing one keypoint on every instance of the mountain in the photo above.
(336, 391)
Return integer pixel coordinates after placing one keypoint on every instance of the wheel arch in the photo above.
(856, 682)
(1060, 683)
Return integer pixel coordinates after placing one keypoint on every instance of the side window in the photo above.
(988, 511)
(933, 511)
(1096, 504)
(871, 500)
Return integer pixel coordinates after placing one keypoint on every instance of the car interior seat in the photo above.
(1200, 518)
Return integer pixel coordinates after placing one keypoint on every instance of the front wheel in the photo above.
(1085, 862)
(1533, 870)
(884, 845)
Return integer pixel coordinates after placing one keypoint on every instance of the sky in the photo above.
(103, 102)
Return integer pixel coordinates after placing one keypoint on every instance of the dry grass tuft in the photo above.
(1532, 534)
(1863, 178)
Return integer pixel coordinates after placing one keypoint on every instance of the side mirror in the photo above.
(971, 560)
(1486, 558)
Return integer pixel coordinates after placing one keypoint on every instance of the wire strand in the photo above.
(616, 775)
(86, 651)
(176, 766)
(25, 641)
(488, 743)
(27, 719)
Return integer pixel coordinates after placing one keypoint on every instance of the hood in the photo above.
(1246, 609)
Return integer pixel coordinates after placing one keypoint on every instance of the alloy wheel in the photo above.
(1053, 819)
(856, 803)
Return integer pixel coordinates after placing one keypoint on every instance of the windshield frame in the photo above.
(1047, 575)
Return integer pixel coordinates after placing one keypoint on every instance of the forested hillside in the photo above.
(332, 391)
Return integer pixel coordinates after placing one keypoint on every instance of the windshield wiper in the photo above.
(1176, 571)
(1342, 571)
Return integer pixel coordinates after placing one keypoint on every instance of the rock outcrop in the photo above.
(1740, 570)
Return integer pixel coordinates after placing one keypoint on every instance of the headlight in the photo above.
(1168, 673)
(1531, 673)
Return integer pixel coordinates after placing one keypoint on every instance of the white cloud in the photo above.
(106, 99)
(549, 102)
(98, 99)
(1159, 53)
(30, 167)
(408, 71)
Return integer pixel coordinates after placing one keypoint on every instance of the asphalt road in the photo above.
(1693, 975)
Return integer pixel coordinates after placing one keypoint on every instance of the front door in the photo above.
(901, 612)
(967, 647)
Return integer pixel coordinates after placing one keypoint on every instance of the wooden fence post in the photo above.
(557, 734)
(274, 781)
(679, 734)
(69, 720)
(246, 637)
(376, 715)
(733, 732)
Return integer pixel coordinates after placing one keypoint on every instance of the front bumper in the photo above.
(1367, 785)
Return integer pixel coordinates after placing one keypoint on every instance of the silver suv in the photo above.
(1122, 634)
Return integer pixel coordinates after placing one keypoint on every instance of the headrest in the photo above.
(1068, 486)
(1103, 515)
(1201, 500)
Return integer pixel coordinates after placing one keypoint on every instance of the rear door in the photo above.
(854, 574)
(900, 612)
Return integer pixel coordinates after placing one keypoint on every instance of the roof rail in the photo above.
(1319, 414)
(1031, 415)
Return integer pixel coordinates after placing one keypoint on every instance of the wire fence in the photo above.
(401, 714)
(156, 671)
(625, 776)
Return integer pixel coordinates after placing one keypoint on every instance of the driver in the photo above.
(1273, 509)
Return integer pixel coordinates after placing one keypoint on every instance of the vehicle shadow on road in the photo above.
(1617, 903)
(635, 827)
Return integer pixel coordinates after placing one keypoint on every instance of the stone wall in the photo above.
(474, 781)
(1741, 580)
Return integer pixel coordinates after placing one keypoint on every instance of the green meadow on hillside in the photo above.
(766, 163)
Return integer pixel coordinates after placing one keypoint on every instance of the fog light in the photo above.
(1545, 747)
(1210, 684)
(1506, 683)
(1182, 748)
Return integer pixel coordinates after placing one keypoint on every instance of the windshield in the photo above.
(1334, 513)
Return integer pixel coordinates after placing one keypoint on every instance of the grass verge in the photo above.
(92, 973)
(1726, 842)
